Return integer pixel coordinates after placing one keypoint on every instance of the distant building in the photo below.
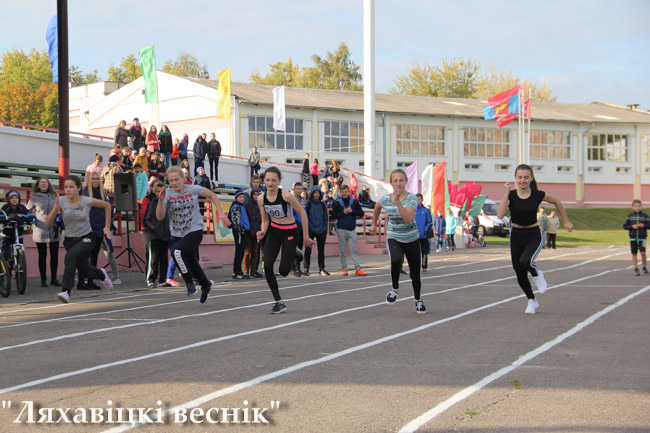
(587, 154)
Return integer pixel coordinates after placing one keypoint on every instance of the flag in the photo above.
(477, 205)
(507, 119)
(527, 108)
(148, 64)
(504, 97)
(412, 182)
(223, 94)
(52, 37)
(279, 116)
(427, 186)
(439, 187)
(488, 113)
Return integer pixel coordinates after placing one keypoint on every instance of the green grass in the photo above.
(516, 384)
(598, 226)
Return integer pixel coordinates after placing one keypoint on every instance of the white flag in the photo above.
(279, 117)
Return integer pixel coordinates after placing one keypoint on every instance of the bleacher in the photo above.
(22, 175)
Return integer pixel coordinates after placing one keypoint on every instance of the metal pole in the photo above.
(64, 100)
(369, 89)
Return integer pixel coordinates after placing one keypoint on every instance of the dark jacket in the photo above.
(316, 212)
(305, 166)
(214, 148)
(156, 230)
(97, 216)
(166, 142)
(254, 217)
(137, 137)
(439, 225)
(637, 218)
(8, 232)
(346, 221)
(203, 181)
(122, 136)
(200, 148)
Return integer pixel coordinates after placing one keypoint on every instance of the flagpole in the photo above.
(521, 123)
(530, 97)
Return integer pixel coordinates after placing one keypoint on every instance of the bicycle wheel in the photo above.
(21, 273)
(481, 240)
(5, 278)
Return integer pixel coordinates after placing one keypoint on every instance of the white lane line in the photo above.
(247, 306)
(461, 395)
(252, 332)
(291, 369)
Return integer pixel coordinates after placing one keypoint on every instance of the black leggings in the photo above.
(396, 252)
(76, 256)
(525, 245)
(187, 259)
(42, 258)
(279, 236)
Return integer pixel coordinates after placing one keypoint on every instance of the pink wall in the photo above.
(608, 193)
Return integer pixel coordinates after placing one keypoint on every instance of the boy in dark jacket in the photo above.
(318, 221)
(252, 251)
(214, 152)
(13, 208)
(239, 225)
(202, 179)
(158, 234)
(345, 211)
(423, 221)
(637, 223)
(439, 226)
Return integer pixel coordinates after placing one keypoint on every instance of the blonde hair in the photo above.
(174, 169)
(89, 186)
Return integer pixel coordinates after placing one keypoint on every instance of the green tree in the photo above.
(495, 82)
(78, 76)
(335, 71)
(186, 65)
(31, 68)
(455, 78)
(127, 71)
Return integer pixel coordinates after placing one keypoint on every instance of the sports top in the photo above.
(523, 212)
(278, 208)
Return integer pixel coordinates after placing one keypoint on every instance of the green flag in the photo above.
(148, 65)
(477, 205)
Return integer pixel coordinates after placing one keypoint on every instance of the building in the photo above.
(591, 155)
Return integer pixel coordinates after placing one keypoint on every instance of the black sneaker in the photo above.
(402, 271)
(55, 283)
(296, 273)
(191, 289)
(391, 297)
(245, 276)
(151, 285)
(645, 271)
(205, 291)
(420, 308)
(237, 275)
(306, 272)
(44, 283)
(323, 272)
(636, 272)
(257, 275)
(278, 308)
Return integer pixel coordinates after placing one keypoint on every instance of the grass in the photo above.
(516, 384)
(472, 413)
(597, 226)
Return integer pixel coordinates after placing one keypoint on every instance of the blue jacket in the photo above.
(439, 225)
(200, 149)
(346, 221)
(254, 217)
(316, 212)
(422, 220)
(450, 224)
(96, 216)
(238, 218)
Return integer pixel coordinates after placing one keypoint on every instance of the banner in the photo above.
(148, 64)
(412, 182)
(52, 37)
(439, 187)
(477, 205)
(427, 186)
(279, 115)
(223, 94)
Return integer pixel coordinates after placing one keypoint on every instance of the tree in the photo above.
(335, 71)
(186, 65)
(495, 82)
(31, 69)
(77, 76)
(128, 70)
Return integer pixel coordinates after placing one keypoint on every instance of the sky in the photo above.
(584, 50)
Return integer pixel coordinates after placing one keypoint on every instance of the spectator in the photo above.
(183, 147)
(140, 182)
(240, 225)
(95, 167)
(166, 146)
(200, 150)
(439, 228)
(136, 134)
(552, 226)
(152, 141)
(142, 159)
(336, 169)
(364, 197)
(122, 134)
(175, 152)
(185, 164)
(126, 163)
(305, 169)
(116, 150)
(202, 179)
(254, 161)
(252, 250)
(345, 211)
(108, 172)
(41, 204)
(424, 223)
(214, 152)
(297, 191)
(542, 220)
(187, 179)
(156, 166)
(256, 182)
(318, 222)
(12, 208)
(158, 233)
(450, 229)
(314, 172)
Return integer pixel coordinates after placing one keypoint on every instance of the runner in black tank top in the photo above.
(525, 238)
(280, 229)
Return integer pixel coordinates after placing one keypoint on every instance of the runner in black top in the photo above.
(282, 231)
(525, 238)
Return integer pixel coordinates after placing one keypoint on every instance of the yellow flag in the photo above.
(223, 95)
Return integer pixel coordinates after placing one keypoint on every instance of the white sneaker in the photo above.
(108, 284)
(532, 306)
(540, 282)
(64, 297)
(117, 282)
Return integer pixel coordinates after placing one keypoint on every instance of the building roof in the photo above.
(596, 112)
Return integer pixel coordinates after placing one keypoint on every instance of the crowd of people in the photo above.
(267, 221)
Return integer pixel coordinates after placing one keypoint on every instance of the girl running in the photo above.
(525, 238)
(79, 239)
(402, 236)
(280, 231)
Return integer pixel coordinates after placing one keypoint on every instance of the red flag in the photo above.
(506, 119)
(527, 108)
(504, 97)
(439, 185)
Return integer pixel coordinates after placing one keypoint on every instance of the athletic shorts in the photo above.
(637, 245)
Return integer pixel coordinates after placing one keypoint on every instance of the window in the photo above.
(262, 134)
(501, 167)
(550, 144)
(420, 140)
(486, 142)
(564, 169)
(343, 136)
(472, 167)
(645, 147)
(595, 169)
(607, 147)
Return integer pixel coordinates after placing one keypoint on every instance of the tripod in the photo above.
(130, 251)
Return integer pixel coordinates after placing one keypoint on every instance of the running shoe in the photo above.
(55, 283)
(205, 291)
(278, 308)
(532, 306)
(151, 285)
(257, 275)
(344, 273)
(108, 284)
(64, 297)
(645, 271)
(360, 273)
(191, 289)
(306, 272)
(636, 272)
(391, 297)
(172, 282)
(324, 273)
(420, 308)
(540, 282)
(117, 281)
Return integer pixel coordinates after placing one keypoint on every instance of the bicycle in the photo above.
(17, 264)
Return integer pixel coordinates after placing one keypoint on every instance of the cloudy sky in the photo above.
(584, 50)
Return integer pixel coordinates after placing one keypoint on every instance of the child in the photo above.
(239, 225)
(423, 221)
(140, 183)
(318, 224)
(637, 223)
(251, 254)
(126, 163)
(142, 160)
(159, 234)
(450, 229)
(439, 226)
(187, 179)
(202, 179)
(12, 208)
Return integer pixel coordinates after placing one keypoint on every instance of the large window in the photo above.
(486, 142)
(343, 136)
(420, 140)
(262, 135)
(607, 147)
(550, 144)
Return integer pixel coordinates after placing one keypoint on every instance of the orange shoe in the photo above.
(344, 273)
(360, 273)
